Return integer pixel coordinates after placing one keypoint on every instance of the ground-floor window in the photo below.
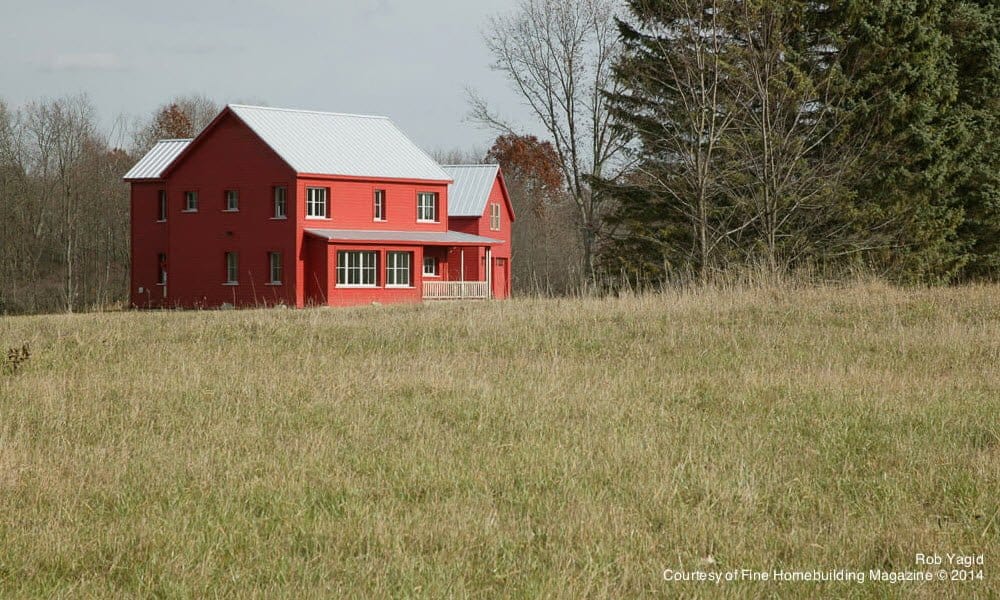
(161, 264)
(356, 268)
(430, 266)
(274, 263)
(397, 269)
(232, 268)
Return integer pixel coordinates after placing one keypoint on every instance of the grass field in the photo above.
(566, 448)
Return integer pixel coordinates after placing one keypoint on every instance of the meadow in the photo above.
(535, 447)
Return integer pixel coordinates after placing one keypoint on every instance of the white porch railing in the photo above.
(455, 290)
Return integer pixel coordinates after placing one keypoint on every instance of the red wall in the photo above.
(231, 157)
(149, 239)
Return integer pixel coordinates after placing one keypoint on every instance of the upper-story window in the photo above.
(427, 206)
(316, 203)
(232, 200)
(190, 201)
(494, 217)
(280, 202)
(379, 205)
(161, 214)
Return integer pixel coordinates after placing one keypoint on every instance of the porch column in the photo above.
(489, 273)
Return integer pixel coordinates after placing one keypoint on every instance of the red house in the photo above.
(271, 206)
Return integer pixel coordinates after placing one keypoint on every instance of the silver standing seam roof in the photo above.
(374, 235)
(339, 144)
(159, 157)
(468, 193)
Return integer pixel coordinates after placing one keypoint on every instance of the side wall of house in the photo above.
(231, 157)
(148, 241)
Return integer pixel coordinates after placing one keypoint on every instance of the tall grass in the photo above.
(565, 448)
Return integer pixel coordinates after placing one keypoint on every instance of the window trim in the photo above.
(378, 206)
(434, 207)
(435, 272)
(270, 268)
(274, 202)
(326, 203)
(396, 269)
(162, 206)
(225, 200)
(235, 267)
(185, 208)
(361, 269)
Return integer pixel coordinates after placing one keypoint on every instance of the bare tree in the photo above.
(559, 54)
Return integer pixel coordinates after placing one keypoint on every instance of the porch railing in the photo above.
(455, 290)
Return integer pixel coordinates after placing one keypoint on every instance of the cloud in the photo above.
(84, 61)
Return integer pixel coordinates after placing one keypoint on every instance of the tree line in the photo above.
(699, 137)
(64, 209)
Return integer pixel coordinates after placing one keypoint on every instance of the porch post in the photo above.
(489, 273)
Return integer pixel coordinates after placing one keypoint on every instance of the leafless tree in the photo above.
(559, 54)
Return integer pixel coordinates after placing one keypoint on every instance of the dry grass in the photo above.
(534, 447)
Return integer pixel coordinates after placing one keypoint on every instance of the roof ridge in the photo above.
(311, 112)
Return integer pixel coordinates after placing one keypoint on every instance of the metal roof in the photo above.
(424, 237)
(159, 157)
(339, 144)
(468, 194)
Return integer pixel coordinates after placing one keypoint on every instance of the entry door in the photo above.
(500, 279)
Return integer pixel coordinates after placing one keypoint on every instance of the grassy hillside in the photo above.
(534, 447)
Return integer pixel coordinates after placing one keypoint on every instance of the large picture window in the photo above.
(397, 269)
(427, 206)
(356, 268)
(316, 203)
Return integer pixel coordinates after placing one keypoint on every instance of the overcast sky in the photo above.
(409, 60)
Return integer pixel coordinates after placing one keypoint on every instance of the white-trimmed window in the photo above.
(356, 268)
(232, 201)
(190, 201)
(232, 268)
(379, 209)
(161, 269)
(397, 269)
(427, 206)
(161, 214)
(280, 202)
(430, 266)
(274, 267)
(316, 203)
(494, 217)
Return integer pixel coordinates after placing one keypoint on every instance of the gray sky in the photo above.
(410, 60)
